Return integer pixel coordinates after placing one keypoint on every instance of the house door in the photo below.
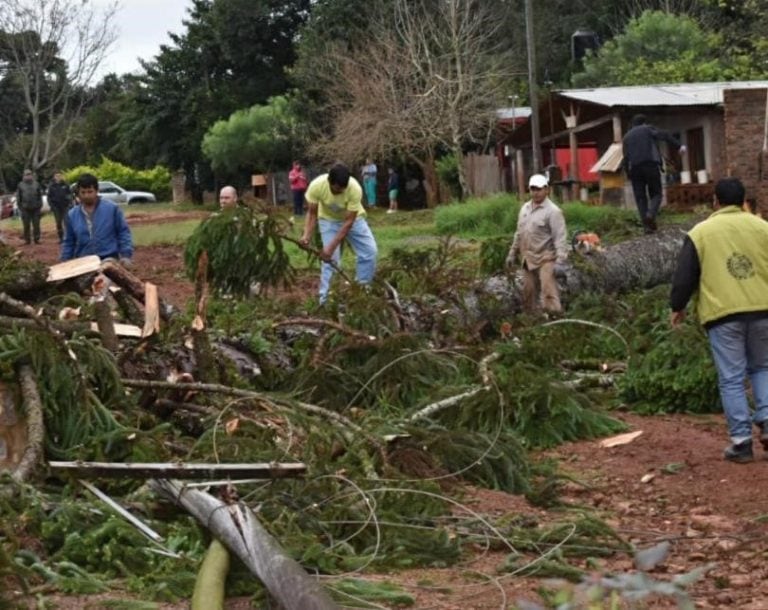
(696, 158)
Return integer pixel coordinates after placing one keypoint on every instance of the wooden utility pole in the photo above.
(532, 87)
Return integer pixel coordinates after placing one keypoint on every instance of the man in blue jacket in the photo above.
(96, 226)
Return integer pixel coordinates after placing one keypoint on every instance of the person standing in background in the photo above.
(393, 189)
(369, 182)
(298, 180)
(60, 200)
(29, 198)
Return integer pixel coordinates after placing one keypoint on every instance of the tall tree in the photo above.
(49, 51)
(657, 47)
(232, 54)
(431, 79)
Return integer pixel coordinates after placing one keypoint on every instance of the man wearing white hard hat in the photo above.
(540, 243)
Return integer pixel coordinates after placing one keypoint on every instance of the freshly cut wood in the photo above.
(209, 593)
(621, 439)
(122, 330)
(182, 471)
(74, 268)
(236, 526)
(133, 285)
(151, 310)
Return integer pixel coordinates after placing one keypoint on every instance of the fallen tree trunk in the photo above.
(237, 528)
(635, 264)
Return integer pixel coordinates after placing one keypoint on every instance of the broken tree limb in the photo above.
(271, 401)
(106, 325)
(329, 323)
(316, 253)
(438, 406)
(209, 592)
(67, 327)
(134, 521)
(201, 344)
(127, 305)
(33, 410)
(133, 285)
(236, 526)
(180, 470)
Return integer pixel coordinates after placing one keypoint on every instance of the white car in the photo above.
(116, 193)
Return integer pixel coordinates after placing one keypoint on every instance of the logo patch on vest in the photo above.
(740, 267)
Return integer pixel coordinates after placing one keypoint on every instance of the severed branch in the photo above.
(237, 527)
(133, 285)
(320, 322)
(316, 253)
(33, 410)
(275, 402)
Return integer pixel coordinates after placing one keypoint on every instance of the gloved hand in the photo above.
(683, 149)
(126, 262)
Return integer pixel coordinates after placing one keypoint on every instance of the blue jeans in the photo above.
(298, 202)
(363, 243)
(740, 349)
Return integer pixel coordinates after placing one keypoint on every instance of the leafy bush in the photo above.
(156, 180)
(677, 374)
(448, 171)
(488, 216)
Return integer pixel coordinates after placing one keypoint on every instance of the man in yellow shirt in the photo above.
(335, 203)
(724, 260)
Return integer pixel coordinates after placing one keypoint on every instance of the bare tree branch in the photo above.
(53, 49)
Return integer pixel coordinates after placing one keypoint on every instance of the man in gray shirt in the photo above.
(29, 198)
(540, 241)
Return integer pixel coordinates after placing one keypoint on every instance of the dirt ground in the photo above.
(670, 483)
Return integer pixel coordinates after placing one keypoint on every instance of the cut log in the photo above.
(209, 593)
(133, 285)
(147, 470)
(206, 369)
(238, 529)
(151, 310)
(128, 306)
(74, 268)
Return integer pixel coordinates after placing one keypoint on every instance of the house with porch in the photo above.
(724, 126)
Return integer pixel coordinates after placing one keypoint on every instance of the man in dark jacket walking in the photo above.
(29, 198)
(642, 163)
(60, 200)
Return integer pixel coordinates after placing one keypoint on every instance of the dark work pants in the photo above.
(31, 217)
(646, 185)
(298, 202)
(60, 214)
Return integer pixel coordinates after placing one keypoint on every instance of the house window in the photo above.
(695, 139)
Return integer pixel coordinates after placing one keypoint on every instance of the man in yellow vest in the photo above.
(725, 260)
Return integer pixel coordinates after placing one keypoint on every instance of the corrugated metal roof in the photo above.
(684, 94)
(518, 112)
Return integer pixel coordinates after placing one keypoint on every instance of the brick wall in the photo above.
(745, 115)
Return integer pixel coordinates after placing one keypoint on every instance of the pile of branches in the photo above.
(390, 421)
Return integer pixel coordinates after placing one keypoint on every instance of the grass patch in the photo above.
(170, 233)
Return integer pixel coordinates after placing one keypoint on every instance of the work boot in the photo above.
(652, 224)
(764, 435)
(740, 453)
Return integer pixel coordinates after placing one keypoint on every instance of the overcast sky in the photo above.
(143, 25)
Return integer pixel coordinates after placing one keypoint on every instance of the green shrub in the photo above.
(488, 216)
(156, 180)
(448, 171)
